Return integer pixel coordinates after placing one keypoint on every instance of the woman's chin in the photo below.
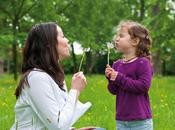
(66, 56)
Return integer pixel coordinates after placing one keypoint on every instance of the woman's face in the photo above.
(62, 46)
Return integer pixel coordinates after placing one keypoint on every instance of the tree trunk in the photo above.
(142, 9)
(88, 62)
(8, 65)
(157, 62)
(157, 56)
(14, 50)
(164, 67)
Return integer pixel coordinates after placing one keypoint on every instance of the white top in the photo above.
(43, 105)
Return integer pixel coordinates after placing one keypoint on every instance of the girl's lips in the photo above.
(116, 44)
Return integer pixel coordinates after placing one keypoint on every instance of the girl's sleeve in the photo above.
(140, 85)
(112, 87)
(45, 105)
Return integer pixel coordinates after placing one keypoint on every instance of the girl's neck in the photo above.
(129, 57)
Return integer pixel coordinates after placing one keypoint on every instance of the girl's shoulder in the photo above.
(143, 60)
(116, 63)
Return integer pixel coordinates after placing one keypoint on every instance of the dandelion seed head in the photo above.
(110, 45)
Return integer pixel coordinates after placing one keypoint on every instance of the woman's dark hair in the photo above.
(40, 51)
(137, 30)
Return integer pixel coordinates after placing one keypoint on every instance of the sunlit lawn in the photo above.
(102, 112)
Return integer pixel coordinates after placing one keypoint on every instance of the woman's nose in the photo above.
(67, 40)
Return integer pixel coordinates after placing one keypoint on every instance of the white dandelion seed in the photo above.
(109, 46)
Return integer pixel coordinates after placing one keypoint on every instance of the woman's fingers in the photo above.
(80, 75)
(79, 81)
(85, 79)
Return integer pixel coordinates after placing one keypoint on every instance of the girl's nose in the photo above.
(116, 41)
(117, 38)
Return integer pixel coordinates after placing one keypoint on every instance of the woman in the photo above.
(42, 98)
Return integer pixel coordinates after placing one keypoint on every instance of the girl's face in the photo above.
(62, 46)
(123, 40)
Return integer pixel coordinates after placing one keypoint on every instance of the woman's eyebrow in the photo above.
(61, 34)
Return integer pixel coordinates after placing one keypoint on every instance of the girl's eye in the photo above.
(121, 35)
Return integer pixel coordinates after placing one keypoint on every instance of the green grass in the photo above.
(102, 112)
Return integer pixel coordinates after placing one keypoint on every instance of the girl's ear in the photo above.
(135, 41)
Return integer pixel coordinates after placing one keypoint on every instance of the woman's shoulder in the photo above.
(38, 75)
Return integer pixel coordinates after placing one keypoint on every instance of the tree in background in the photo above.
(15, 10)
(91, 23)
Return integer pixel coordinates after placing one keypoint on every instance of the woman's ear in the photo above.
(135, 41)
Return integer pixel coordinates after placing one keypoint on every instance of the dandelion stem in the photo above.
(81, 62)
(108, 55)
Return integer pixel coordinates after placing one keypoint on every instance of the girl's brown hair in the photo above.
(137, 30)
(40, 51)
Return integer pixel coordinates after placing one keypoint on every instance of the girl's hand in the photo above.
(111, 73)
(108, 71)
(78, 81)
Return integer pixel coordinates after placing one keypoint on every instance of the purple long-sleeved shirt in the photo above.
(131, 89)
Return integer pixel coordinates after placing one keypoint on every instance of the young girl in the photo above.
(130, 77)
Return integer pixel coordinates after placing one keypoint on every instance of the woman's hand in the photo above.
(110, 73)
(78, 81)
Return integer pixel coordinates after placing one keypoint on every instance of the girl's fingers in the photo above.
(108, 66)
(107, 75)
(108, 72)
(112, 77)
(111, 69)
